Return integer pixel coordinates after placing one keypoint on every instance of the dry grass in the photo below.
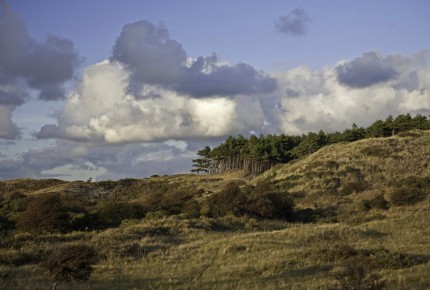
(233, 253)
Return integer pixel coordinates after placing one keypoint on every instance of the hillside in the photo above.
(347, 174)
(360, 207)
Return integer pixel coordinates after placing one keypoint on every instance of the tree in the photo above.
(377, 129)
(354, 134)
(202, 164)
(310, 143)
(70, 263)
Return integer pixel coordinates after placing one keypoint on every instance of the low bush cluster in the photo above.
(261, 202)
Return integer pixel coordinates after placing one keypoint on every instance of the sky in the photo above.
(108, 89)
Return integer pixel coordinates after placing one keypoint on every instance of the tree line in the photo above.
(255, 154)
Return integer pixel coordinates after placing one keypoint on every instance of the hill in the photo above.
(357, 216)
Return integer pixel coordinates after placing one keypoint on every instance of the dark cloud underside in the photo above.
(366, 71)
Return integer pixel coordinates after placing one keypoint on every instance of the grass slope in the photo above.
(179, 252)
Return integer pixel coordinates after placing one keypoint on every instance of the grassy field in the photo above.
(346, 231)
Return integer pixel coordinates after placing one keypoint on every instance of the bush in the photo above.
(231, 200)
(259, 202)
(45, 213)
(70, 263)
(270, 205)
(112, 213)
(170, 199)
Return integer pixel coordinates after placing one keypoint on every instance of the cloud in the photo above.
(45, 66)
(294, 23)
(149, 52)
(70, 160)
(207, 77)
(28, 64)
(322, 101)
(8, 129)
(102, 110)
(366, 70)
(152, 57)
(149, 90)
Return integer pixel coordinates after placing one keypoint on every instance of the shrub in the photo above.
(230, 200)
(259, 202)
(270, 205)
(45, 213)
(70, 263)
(170, 200)
(112, 213)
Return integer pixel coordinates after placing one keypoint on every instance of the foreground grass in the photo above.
(236, 253)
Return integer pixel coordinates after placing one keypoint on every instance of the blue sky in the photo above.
(240, 30)
(113, 89)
